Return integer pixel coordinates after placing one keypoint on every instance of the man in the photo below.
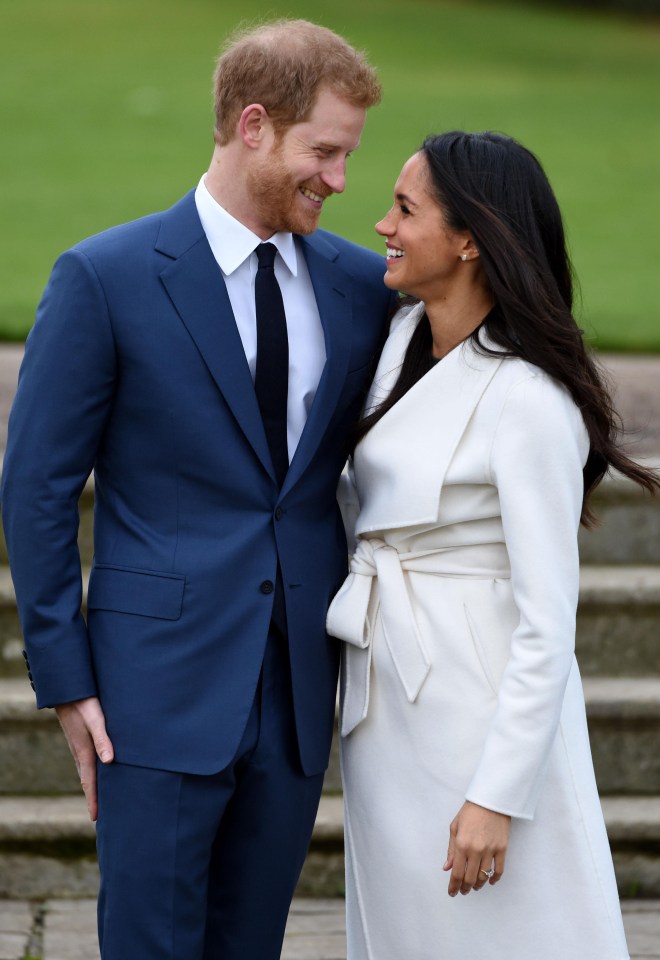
(210, 387)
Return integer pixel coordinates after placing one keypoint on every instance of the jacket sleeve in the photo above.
(62, 403)
(538, 450)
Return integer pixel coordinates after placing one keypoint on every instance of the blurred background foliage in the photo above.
(105, 113)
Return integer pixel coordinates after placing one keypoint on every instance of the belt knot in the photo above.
(348, 619)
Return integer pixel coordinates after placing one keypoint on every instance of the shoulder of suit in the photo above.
(141, 231)
(124, 236)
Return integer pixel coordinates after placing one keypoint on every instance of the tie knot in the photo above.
(266, 254)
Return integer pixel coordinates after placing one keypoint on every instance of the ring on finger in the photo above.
(487, 873)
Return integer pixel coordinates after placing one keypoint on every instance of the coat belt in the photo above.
(348, 619)
(350, 614)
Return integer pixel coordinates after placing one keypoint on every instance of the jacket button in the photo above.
(267, 586)
(279, 513)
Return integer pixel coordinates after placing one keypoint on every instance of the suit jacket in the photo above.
(135, 370)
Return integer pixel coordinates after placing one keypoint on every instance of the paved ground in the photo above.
(66, 930)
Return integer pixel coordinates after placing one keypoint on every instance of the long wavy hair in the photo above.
(493, 187)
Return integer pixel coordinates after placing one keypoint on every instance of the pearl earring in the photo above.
(464, 257)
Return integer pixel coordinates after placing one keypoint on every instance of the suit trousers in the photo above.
(204, 867)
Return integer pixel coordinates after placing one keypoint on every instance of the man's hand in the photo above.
(83, 724)
(478, 839)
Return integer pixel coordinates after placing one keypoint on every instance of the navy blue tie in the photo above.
(271, 381)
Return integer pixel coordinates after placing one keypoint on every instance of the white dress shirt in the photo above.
(233, 246)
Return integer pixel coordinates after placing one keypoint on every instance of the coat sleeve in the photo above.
(538, 449)
(62, 403)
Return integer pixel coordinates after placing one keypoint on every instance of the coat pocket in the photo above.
(146, 593)
(480, 651)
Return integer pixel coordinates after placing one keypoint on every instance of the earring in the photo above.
(464, 257)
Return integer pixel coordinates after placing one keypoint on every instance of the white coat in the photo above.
(459, 679)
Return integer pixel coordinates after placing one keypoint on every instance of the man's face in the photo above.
(304, 166)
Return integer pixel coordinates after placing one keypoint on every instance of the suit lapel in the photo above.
(402, 462)
(334, 304)
(194, 283)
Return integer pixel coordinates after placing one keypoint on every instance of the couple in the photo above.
(198, 696)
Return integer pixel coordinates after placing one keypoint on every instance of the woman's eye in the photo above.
(403, 208)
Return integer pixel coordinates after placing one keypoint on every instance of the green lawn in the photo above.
(105, 112)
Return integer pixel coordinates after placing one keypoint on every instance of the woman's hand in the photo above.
(478, 839)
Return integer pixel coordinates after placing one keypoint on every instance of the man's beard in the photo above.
(276, 198)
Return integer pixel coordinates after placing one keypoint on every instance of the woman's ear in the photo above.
(254, 126)
(468, 249)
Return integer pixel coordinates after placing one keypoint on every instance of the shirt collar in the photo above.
(231, 241)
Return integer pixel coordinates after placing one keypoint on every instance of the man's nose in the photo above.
(334, 176)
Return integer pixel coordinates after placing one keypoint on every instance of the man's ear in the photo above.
(254, 126)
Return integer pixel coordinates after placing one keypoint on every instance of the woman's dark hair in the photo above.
(493, 187)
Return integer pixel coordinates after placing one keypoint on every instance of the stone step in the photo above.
(618, 624)
(629, 531)
(623, 715)
(46, 844)
(624, 730)
(34, 756)
(47, 848)
(633, 828)
(11, 641)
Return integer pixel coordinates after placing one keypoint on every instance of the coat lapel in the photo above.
(194, 283)
(402, 462)
(332, 297)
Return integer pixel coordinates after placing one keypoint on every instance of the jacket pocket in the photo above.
(145, 593)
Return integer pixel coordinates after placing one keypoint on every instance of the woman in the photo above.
(462, 710)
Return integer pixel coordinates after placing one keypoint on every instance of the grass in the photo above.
(106, 115)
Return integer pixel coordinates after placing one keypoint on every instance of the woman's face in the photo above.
(423, 253)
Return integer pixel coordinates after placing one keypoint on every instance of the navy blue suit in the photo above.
(135, 370)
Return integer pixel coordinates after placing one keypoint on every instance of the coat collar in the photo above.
(194, 284)
(402, 461)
